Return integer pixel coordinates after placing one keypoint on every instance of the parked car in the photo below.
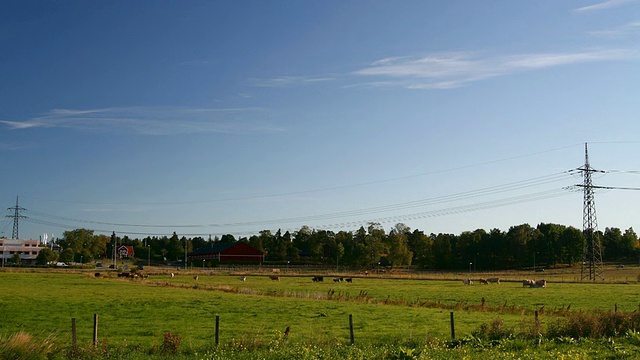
(61, 264)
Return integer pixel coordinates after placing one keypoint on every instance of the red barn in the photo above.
(125, 251)
(227, 252)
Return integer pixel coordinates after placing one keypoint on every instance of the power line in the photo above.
(408, 205)
(518, 185)
(63, 218)
(307, 191)
(63, 222)
(613, 187)
(398, 218)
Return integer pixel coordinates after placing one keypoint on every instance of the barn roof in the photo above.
(129, 249)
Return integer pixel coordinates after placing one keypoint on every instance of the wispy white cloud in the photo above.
(289, 81)
(619, 31)
(540, 61)
(22, 125)
(10, 146)
(604, 5)
(452, 70)
(152, 121)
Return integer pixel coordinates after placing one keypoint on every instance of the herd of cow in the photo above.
(534, 283)
(336, 280)
(314, 279)
(525, 283)
(128, 275)
(482, 281)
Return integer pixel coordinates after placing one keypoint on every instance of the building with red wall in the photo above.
(228, 252)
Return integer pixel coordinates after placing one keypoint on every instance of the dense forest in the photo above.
(522, 246)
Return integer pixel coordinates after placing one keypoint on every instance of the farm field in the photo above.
(449, 293)
(41, 303)
(257, 311)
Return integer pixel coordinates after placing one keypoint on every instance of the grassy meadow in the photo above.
(255, 313)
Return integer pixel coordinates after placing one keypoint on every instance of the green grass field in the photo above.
(257, 312)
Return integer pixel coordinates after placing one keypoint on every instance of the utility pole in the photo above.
(592, 268)
(114, 243)
(16, 217)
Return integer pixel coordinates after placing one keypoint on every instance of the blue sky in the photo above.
(204, 117)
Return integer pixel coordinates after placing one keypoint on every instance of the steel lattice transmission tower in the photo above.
(592, 247)
(16, 217)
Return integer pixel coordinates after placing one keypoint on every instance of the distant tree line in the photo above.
(522, 246)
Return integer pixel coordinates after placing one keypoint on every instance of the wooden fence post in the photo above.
(453, 328)
(217, 330)
(95, 330)
(351, 328)
(74, 338)
(537, 323)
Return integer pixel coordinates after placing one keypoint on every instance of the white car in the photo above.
(61, 264)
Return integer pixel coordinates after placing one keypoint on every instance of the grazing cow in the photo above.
(484, 281)
(336, 280)
(274, 278)
(494, 280)
(172, 275)
(195, 277)
(317, 279)
(348, 280)
(467, 281)
(96, 275)
(528, 283)
(243, 278)
(539, 284)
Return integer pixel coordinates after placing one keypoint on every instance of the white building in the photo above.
(27, 249)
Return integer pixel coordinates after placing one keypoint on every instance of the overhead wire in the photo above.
(411, 204)
(398, 218)
(358, 212)
(63, 218)
(4, 222)
(57, 221)
(64, 222)
(307, 191)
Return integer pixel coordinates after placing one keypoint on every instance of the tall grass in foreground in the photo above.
(624, 348)
(24, 346)
(603, 335)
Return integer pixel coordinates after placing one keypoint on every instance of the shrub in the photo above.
(594, 325)
(171, 343)
(495, 330)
